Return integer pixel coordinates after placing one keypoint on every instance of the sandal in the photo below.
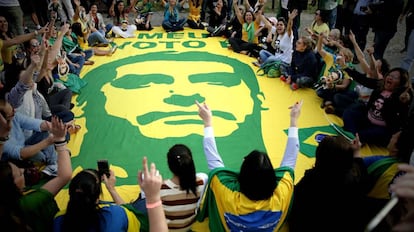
(89, 62)
(73, 129)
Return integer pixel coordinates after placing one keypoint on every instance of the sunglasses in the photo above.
(35, 44)
(317, 13)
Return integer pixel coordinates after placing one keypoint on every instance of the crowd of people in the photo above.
(40, 71)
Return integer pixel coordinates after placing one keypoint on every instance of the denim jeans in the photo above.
(96, 38)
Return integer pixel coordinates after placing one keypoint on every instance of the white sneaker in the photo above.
(50, 170)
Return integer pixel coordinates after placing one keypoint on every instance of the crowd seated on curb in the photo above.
(40, 71)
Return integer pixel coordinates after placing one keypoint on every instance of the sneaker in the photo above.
(50, 170)
(113, 49)
(256, 63)
(294, 86)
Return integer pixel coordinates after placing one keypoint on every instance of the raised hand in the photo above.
(58, 129)
(295, 113)
(150, 181)
(205, 113)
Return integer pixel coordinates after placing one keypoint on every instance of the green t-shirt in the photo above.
(39, 208)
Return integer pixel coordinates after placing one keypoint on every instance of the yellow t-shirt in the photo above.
(323, 28)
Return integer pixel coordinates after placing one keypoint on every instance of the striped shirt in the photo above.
(180, 207)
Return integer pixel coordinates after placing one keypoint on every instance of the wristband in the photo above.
(153, 205)
(4, 139)
(36, 32)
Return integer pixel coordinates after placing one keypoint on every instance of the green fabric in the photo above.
(249, 28)
(72, 82)
(39, 208)
(380, 166)
(143, 218)
(229, 179)
(209, 208)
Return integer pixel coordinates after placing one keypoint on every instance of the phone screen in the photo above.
(103, 168)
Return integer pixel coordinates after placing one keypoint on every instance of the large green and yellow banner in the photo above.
(140, 101)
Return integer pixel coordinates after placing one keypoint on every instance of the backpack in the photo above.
(271, 69)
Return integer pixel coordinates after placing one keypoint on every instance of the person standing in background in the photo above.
(14, 15)
(328, 8)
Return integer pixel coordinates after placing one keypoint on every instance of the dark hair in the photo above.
(385, 66)
(117, 13)
(251, 12)
(283, 20)
(82, 210)
(77, 29)
(257, 177)
(334, 154)
(11, 216)
(9, 33)
(404, 80)
(180, 162)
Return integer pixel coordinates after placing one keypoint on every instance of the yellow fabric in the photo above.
(323, 28)
(276, 97)
(8, 53)
(194, 12)
(133, 222)
(237, 203)
(380, 189)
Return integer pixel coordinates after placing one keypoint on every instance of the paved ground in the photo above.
(392, 54)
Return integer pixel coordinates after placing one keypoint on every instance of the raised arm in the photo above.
(292, 15)
(150, 182)
(238, 12)
(292, 146)
(110, 185)
(319, 47)
(23, 38)
(360, 55)
(64, 173)
(209, 143)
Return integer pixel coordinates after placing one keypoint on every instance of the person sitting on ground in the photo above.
(144, 14)
(172, 21)
(333, 81)
(337, 184)
(303, 68)
(97, 23)
(258, 196)
(250, 21)
(386, 110)
(122, 27)
(34, 209)
(181, 194)
(95, 40)
(85, 32)
(86, 212)
(234, 27)
(281, 42)
(75, 53)
(217, 20)
(193, 19)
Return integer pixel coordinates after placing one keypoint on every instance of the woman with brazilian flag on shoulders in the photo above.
(258, 197)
